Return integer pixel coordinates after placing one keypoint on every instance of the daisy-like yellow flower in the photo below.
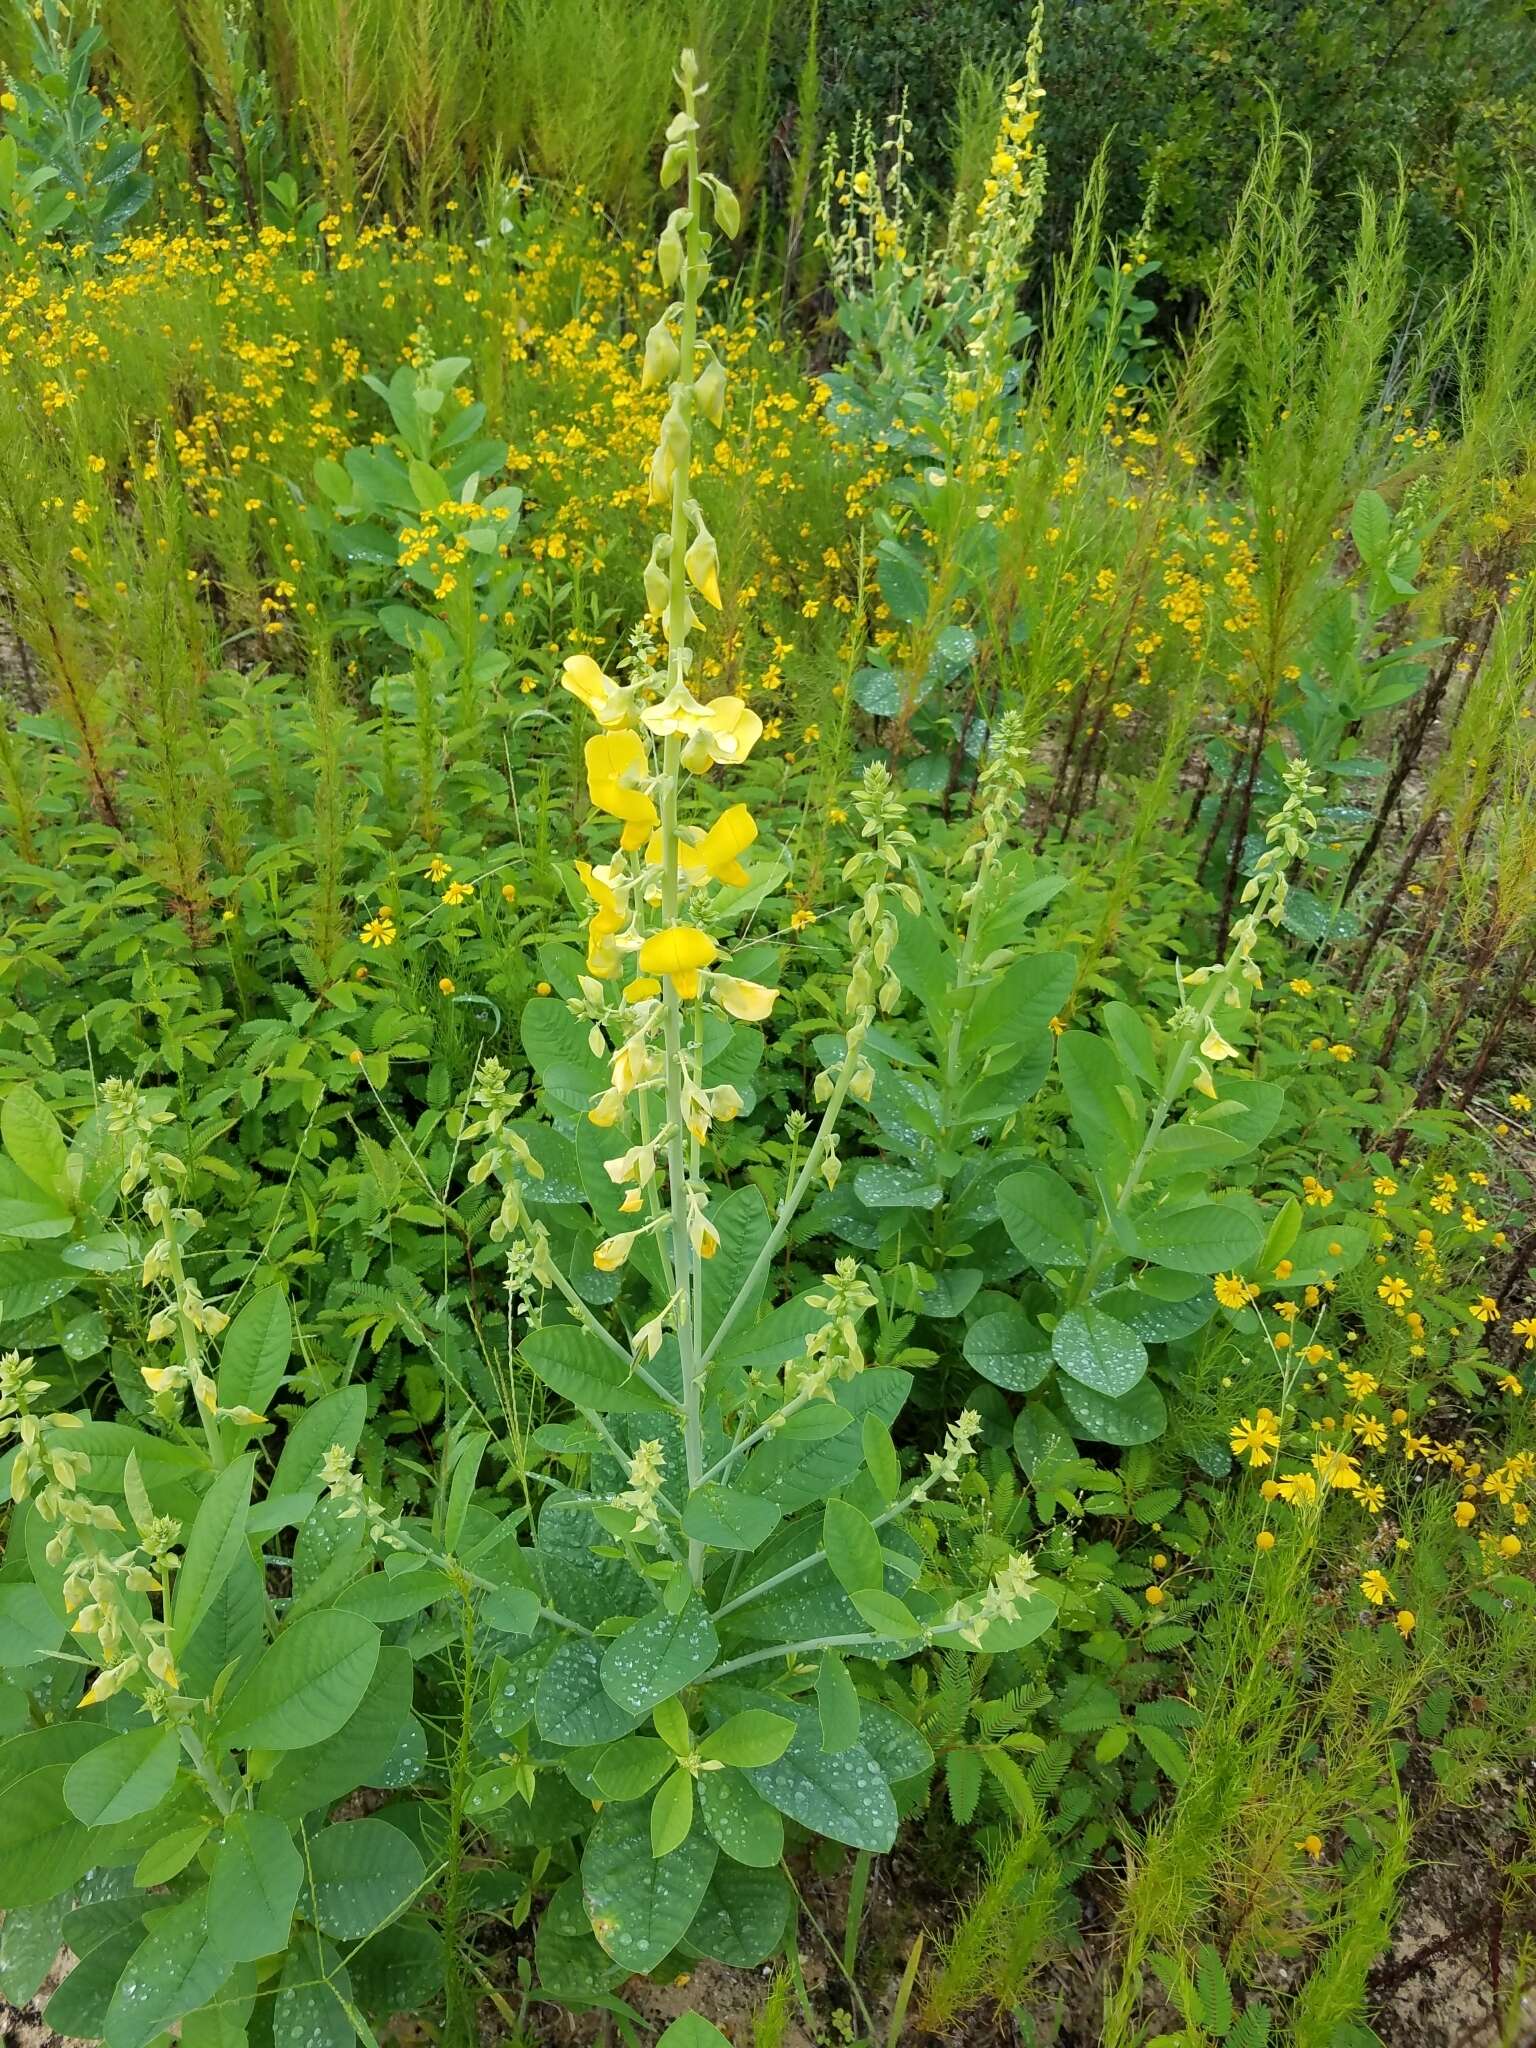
(1256, 1440)
(457, 893)
(799, 919)
(1314, 1193)
(380, 930)
(1296, 1489)
(1520, 1102)
(1370, 1496)
(1374, 1587)
(1524, 1327)
(1384, 1185)
(1395, 1291)
(1336, 1468)
(438, 869)
(1484, 1310)
(1341, 1053)
(1233, 1291)
(1301, 986)
(1370, 1429)
(1464, 1514)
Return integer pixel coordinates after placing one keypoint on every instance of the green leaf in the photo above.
(641, 1905)
(577, 1366)
(1043, 1216)
(902, 582)
(1103, 1100)
(887, 1615)
(1098, 1352)
(1370, 527)
(43, 1848)
(307, 2011)
(35, 1142)
(1134, 1418)
(1165, 1750)
(740, 1819)
(880, 1456)
(29, 1942)
(175, 1969)
(216, 1542)
(742, 1917)
(125, 1777)
(1215, 1990)
(168, 1857)
(692, 2031)
(631, 1767)
(357, 1754)
(837, 1704)
(571, 1705)
(671, 1814)
(657, 1657)
(362, 1872)
(336, 1419)
(756, 1736)
(1208, 1237)
(254, 1886)
(853, 1548)
(728, 1519)
(844, 1796)
(305, 1686)
(1009, 1350)
(254, 1355)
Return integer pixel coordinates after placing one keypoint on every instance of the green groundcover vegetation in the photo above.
(767, 930)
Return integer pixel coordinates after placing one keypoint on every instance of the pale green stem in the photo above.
(790, 1205)
(929, 1635)
(807, 1564)
(684, 1259)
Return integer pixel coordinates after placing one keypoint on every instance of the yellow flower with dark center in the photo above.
(678, 953)
(616, 764)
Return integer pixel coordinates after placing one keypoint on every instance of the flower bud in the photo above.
(702, 562)
(709, 389)
(661, 357)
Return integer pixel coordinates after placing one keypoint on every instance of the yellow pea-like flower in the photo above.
(603, 957)
(751, 1001)
(679, 953)
(616, 761)
(610, 703)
